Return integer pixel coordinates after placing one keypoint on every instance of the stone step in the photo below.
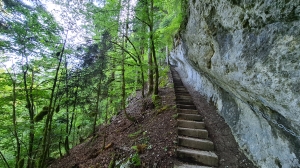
(189, 166)
(191, 117)
(182, 92)
(202, 144)
(187, 111)
(184, 106)
(195, 133)
(190, 124)
(178, 85)
(184, 96)
(180, 88)
(177, 82)
(187, 102)
(184, 101)
(205, 157)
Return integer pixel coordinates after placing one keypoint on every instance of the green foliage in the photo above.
(175, 116)
(112, 163)
(135, 134)
(135, 159)
(164, 80)
(88, 90)
(134, 148)
(156, 101)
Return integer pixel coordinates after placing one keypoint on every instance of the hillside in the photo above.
(154, 135)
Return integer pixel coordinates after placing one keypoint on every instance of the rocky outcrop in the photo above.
(244, 55)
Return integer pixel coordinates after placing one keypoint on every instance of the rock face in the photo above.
(245, 56)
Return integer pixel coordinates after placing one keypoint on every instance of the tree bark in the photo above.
(97, 107)
(151, 25)
(66, 144)
(150, 71)
(15, 124)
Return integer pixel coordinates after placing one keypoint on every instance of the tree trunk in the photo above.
(124, 41)
(66, 144)
(97, 107)
(142, 76)
(29, 105)
(73, 112)
(150, 71)
(123, 89)
(153, 47)
(30, 161)
(106, 120)
(47, 129)
(15, 123)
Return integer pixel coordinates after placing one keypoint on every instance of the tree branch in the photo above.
(142, 21)
(129, 53)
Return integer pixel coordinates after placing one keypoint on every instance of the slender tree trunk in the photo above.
(155, 68)
(142, 76)
(30, 107)
(73, 111)
(3, 158)
(123, 88)
(106, 121)
(97, 107)
(153, 47)
(30, 160)
(47, 129)
(167, 56)
(66, 144)
(124, 45)
(60, 142)
(15, 124)
(150, 71)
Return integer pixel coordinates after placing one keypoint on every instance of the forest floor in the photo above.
(153, 138)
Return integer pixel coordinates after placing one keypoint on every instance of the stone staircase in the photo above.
(194, 147)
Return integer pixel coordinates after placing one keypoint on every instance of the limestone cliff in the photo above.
(245, 56)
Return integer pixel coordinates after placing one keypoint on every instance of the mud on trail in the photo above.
(153, 137)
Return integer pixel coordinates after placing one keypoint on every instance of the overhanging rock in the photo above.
(244, 56)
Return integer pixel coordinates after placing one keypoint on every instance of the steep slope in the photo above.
(153, 135)
(157, 129)
(244, 56)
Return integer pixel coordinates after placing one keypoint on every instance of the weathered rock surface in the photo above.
(245, 56)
